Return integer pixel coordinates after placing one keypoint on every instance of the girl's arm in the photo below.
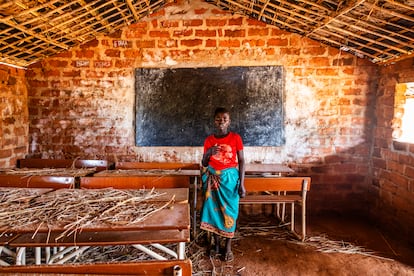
(240, 157)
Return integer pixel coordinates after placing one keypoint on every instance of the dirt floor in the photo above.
(334, 246)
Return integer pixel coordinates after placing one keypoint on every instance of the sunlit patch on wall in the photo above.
(403, 123)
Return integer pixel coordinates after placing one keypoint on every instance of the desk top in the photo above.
(267, 168)
(69, 211)
(59, 172)
(148, 172)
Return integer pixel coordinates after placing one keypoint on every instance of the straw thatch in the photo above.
(379, 30)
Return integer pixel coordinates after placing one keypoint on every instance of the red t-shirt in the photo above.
(227, 156)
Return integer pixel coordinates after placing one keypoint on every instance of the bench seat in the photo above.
(280, 191)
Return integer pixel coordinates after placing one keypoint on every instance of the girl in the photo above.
(223, 182)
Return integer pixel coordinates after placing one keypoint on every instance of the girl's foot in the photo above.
(228, 257)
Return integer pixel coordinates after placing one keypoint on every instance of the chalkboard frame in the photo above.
(166, 114)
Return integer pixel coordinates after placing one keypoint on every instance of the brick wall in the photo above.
(81, 102)
(393, 162)
(14, 116)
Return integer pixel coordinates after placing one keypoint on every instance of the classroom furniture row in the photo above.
(271, 179)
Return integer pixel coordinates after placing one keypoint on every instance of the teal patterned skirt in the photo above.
(221, 201)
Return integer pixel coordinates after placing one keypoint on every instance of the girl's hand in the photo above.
(213, 150)
(242, 191)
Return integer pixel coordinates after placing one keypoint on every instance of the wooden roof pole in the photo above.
(333, 17)
(132, 9)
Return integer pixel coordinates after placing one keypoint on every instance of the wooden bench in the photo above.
(134, 182)
(156, 165)
(55, 178)
(194, 179)
(100, 165)
(166, 226)
(280, 191)
(154, 268)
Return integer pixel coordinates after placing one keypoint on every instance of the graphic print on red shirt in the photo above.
(227, 156)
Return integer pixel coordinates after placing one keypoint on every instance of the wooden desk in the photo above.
(264, 169)
(99, 165)
(43, 178)
(102, 226)
(148, 178)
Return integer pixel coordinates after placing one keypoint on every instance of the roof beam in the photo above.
(352, 5)
(132, 9)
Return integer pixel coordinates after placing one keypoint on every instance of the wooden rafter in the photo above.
(381, 31)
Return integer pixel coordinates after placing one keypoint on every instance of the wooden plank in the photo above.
(37, 181)
(270, 199)
(258, 168)
(64, 163)
(174, 217)
(100, 165)
(177, 195)
(135, 182)
(44, 163)
(148, 172)
(157, 165)
(102, 238)
(257, 184)
(153, 268)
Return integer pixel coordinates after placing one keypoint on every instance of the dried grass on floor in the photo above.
(203, 264)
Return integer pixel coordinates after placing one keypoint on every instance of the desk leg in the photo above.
(149, 252)
(38, 255)
(181, 250)
(21, 256)
(47, 254)
(195, 207)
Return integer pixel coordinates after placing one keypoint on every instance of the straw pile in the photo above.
(72, 210)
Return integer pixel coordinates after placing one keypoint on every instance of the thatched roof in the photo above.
(379, 30)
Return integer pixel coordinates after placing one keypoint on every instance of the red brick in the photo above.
(234, 33)
(229, 43)
(236, 21)
(192, 23)
(277, 42)
(191, 42)
(318, 61)
(215, 22)
(181, 33)
(5, 153)
(254, 22)
(145, 43)
(124, 63)
(219, 12)
(211, 43)
(71, 73)
(135, 33)
(167, 43)
(159, 13)
(315, 51)
(139, 25)
(205, 33)
(159, 34)
(90, 44)
(85, 54)
(169, 24)
(254, 42)
(258, 32)
(200, 11)
(113, 53)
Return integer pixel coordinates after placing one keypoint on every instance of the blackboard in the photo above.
(175, 107)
